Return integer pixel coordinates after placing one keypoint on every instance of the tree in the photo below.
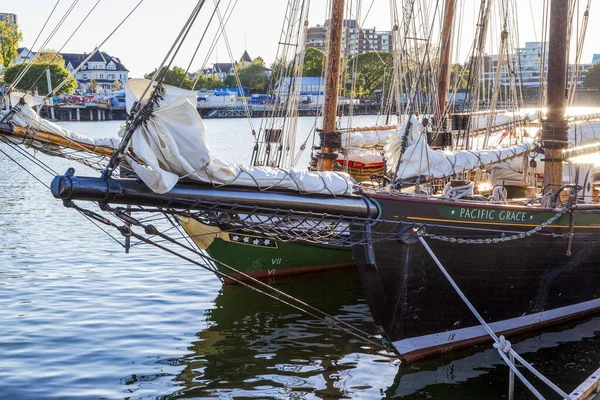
(9, 43)
(314, 60)
(175, 76)
(36, 77)
(117, 84)
(259, 61)
(50, 56)
(213, 82)
(93, 86)
(280, 67)
(372, 70)
(459, 76)
(253, 76)
(230, 81)
(592, 77)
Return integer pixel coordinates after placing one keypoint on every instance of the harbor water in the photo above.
(83, 320)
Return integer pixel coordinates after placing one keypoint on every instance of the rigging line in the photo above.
(43, 45)
(235, 72)
(63, 46)
(30, 157)
(48, 187)
(24, 169)
(35, 41)
(102, 229)
(199, 43)
(97, 47)
(353, 330)
(152, 231)
(328, 319)
(54, 31)
(291, 114)
(214, 42)
(189, 27)
(138, 117)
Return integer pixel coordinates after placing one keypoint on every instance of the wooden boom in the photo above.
(26, 134)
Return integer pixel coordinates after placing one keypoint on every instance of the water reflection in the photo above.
(255, 347)
(566, 355)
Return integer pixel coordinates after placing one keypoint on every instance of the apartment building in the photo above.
(355, 40)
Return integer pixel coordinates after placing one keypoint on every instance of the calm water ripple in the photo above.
(82, 320)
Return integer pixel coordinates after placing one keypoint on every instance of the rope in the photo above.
(97, 48)
(51, 35)
(458, 192)
(23, 65)
(198, 47)
(290, 300)
(499, 193)
(143, 113)
(62, 47)
(500, 343)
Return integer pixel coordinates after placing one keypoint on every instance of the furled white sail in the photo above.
(172, 146)
(26, 117)
(420, 159)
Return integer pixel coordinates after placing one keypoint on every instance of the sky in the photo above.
(143, 40)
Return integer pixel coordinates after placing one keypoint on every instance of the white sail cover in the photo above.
(26, 117)
(364, 140)
(171, 144)
(420, 159)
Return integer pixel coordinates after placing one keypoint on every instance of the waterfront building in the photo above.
(311, 89)
(222, 70)
(102, 68)
(24, 55)
(527, 63)
(354, 39)
(9, 18)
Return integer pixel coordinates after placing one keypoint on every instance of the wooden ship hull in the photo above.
(518, 285)
(266, 258)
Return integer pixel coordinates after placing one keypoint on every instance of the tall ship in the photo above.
(509, 220)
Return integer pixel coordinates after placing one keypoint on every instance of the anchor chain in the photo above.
(518, 236)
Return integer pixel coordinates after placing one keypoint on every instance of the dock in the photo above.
(589, 389)
(83, 113)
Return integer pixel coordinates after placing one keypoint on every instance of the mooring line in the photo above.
(500, 343)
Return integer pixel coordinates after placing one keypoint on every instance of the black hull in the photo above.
(518, 285)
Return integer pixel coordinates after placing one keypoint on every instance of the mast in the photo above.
(329, 144)
(444, 77)
(555, 128)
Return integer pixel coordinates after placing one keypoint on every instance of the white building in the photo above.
(101, 67)
(310, 88)
(526, 63)
(222, 70)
